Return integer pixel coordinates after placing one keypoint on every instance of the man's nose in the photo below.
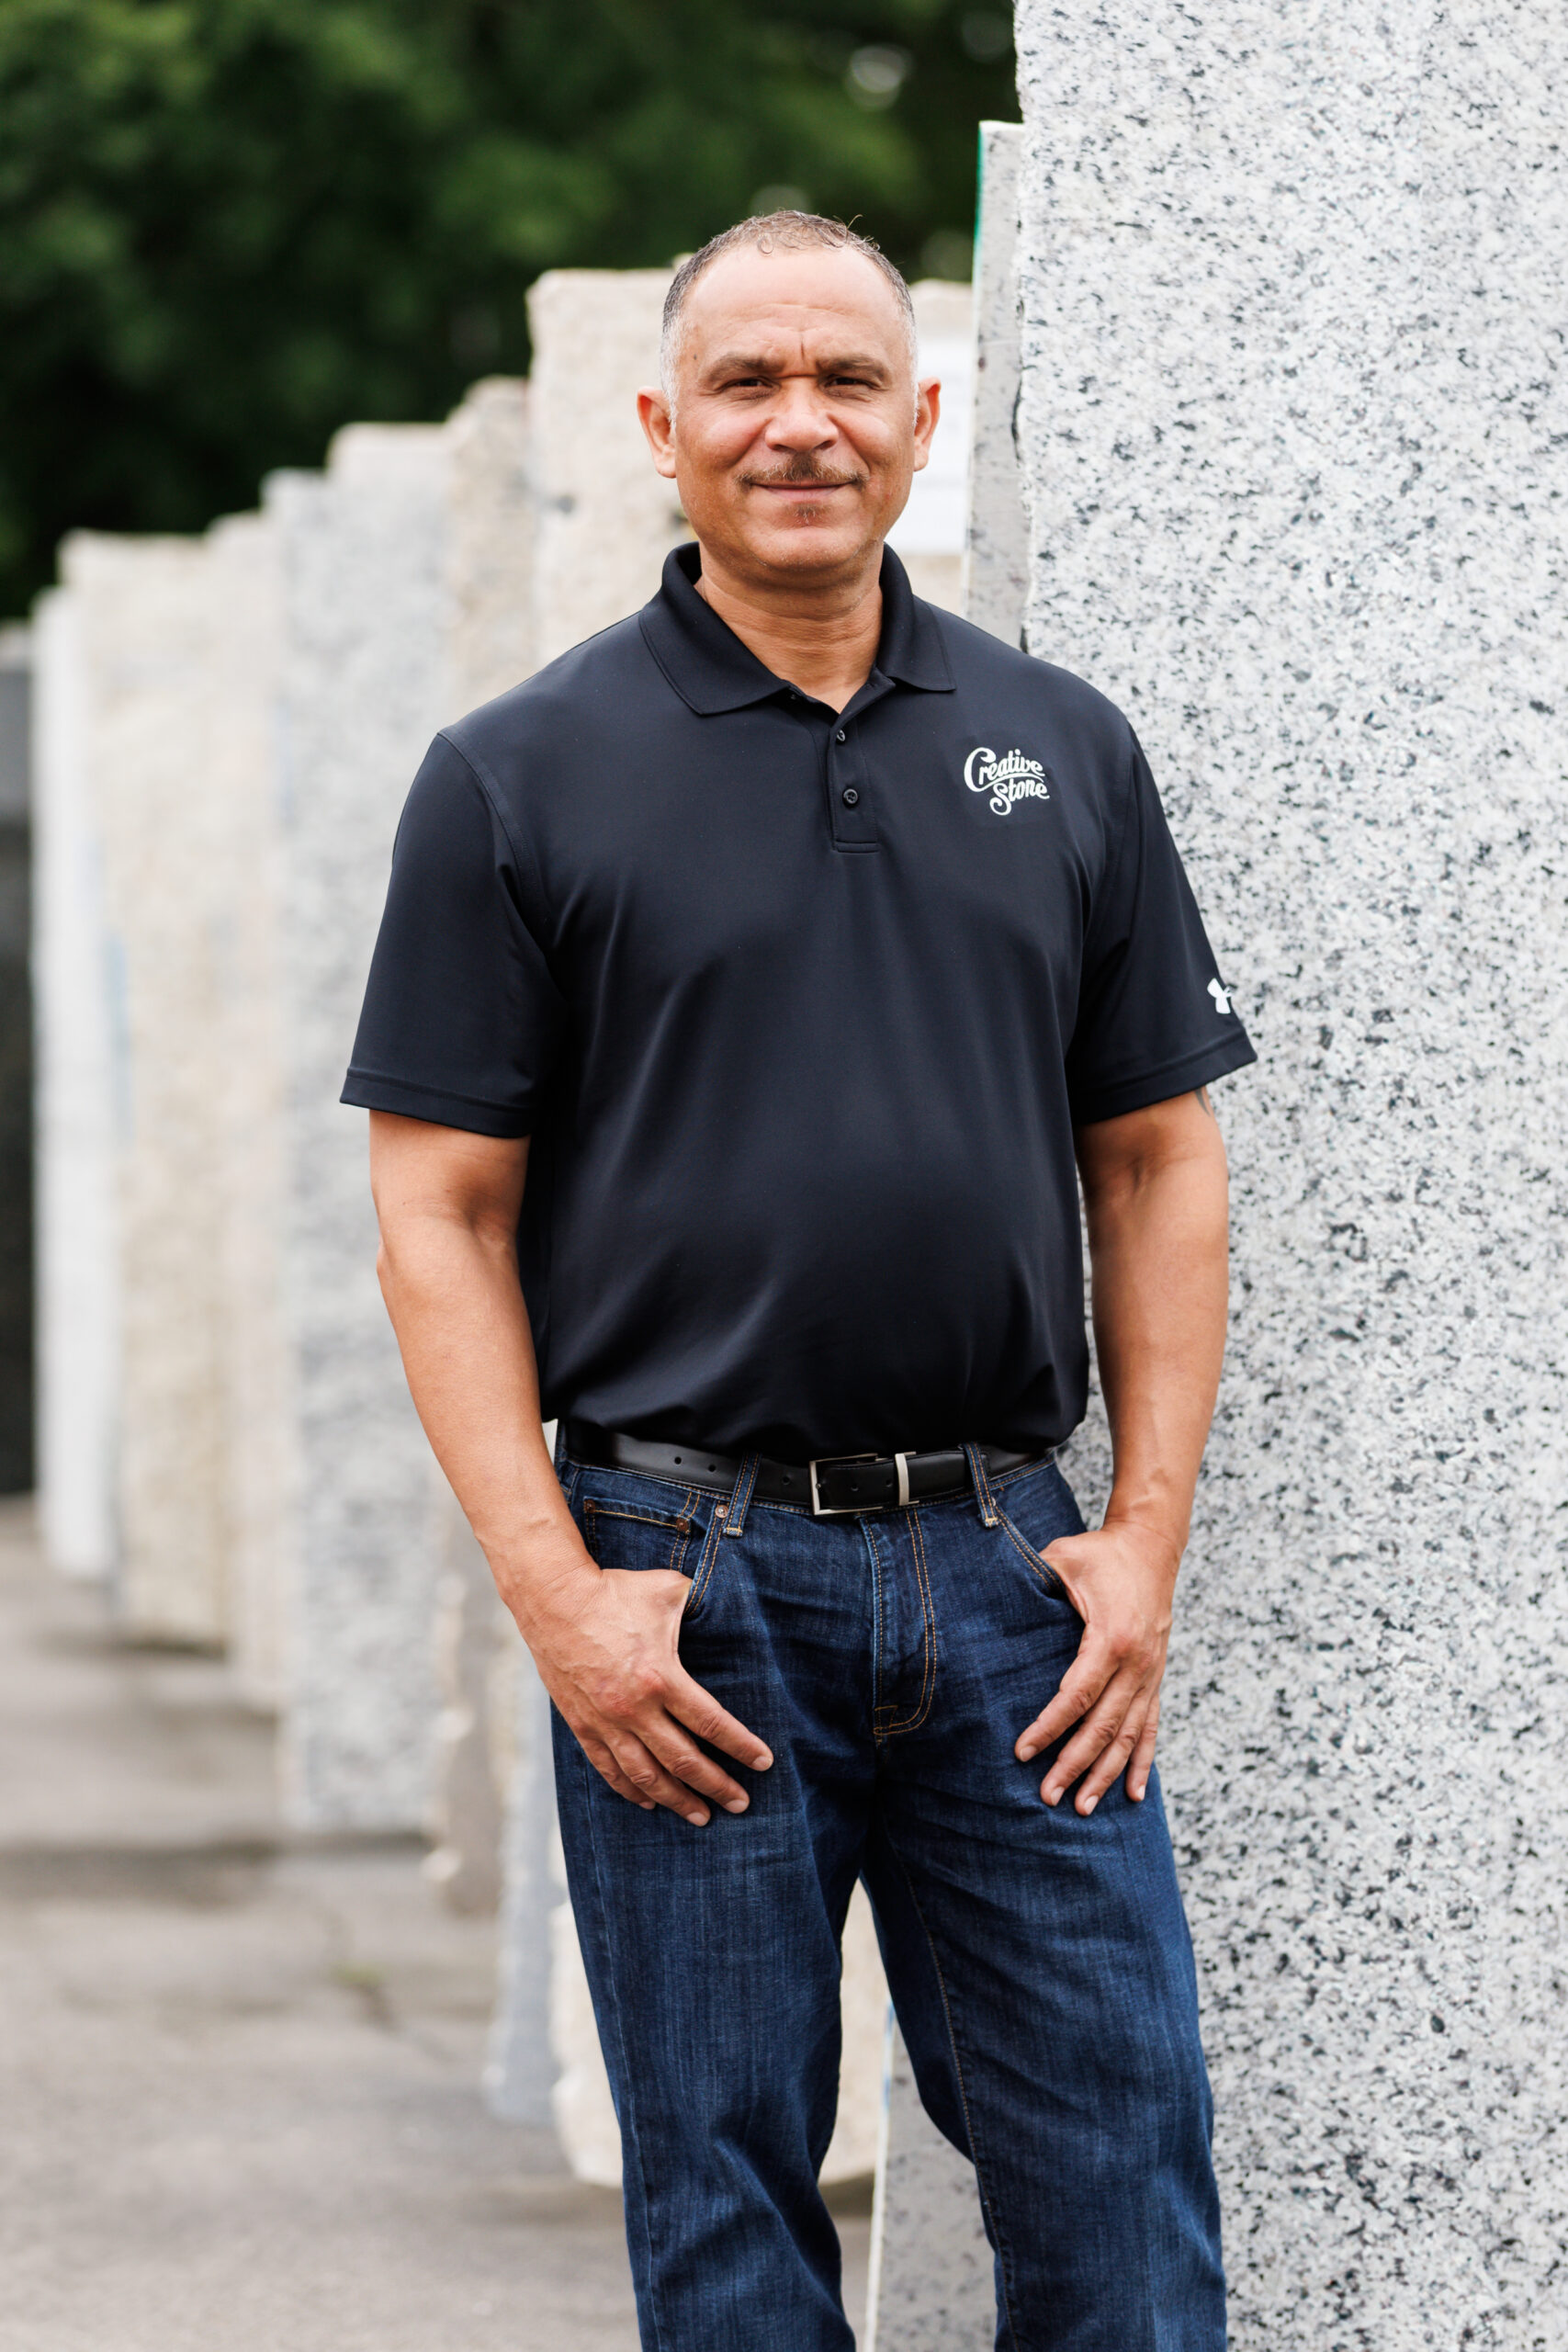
(800, 417)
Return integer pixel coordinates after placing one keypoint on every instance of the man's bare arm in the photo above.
(605, 1640)
(1155, 1192)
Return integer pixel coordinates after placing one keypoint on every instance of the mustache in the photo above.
(804, 468)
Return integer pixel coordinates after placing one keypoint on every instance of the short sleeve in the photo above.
(461, 1021)
(1155, 1015)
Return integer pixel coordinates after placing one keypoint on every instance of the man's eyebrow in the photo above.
(763, 363)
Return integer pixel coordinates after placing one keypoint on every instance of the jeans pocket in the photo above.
(627, 1535)
(1045, 1576)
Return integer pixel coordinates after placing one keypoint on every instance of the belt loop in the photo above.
(739, 1501)
(989, 1514)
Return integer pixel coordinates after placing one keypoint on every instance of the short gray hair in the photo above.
(774, 233)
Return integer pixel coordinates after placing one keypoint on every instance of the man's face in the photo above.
(798, 425)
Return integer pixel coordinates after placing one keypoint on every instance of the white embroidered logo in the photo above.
(1011, 779)
(1222, 995)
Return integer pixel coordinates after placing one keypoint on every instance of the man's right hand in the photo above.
(605, 1642)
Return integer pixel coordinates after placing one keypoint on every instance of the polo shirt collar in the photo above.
(711, 670)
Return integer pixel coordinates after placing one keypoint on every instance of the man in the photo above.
(785, 943)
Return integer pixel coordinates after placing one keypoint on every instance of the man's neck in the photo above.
(823, 640)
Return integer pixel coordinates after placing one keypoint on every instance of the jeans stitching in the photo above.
(982, 1482)
(593, 1510)
(928, 1627)
(1003, 2252)
(742, 1496)
(703, 1576)
(876, 1706)
(1041, 1570)
(681, 1525)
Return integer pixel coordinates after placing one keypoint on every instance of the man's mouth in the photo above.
(803, 486)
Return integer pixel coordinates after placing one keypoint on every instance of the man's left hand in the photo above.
(1121, 1579)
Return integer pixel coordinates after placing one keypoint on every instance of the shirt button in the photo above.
(850, 796)
(840, 737)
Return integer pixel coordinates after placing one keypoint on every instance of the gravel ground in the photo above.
(238, 2074)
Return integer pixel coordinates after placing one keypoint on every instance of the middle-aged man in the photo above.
(750, 981)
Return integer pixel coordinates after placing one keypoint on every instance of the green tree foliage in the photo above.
(229, 226)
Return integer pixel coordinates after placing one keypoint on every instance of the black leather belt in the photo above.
(833, 1484)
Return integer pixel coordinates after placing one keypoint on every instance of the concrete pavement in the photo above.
(238, 2074)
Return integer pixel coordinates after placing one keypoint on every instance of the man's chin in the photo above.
(802, 550)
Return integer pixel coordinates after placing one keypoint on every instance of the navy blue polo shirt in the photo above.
(800, 1011)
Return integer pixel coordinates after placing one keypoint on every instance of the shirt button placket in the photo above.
(847, 800)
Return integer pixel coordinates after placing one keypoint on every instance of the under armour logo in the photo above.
(1222, 997)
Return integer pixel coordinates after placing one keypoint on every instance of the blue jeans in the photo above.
(1039, 1962)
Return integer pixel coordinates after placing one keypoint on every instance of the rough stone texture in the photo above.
(932, 2280)
(996, 552)
(492, 535)
(1296, 446)
(520, 2065)
(928, 535)
(240, 774)
(146, 618)
(364, 559)
(489, 622)
(77, 1085)
(607, 519)
(16, 1069)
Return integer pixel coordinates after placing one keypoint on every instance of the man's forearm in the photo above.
(1154, 1190)
(449, 1277)
(1158, 1253)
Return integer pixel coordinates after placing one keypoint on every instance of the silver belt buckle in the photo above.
(819, 1510)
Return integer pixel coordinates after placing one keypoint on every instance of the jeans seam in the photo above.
(1043, 1574)
(878, 1624)
(928, 1627)
(702, 1575)
(1003, 2252)
(627, 2094)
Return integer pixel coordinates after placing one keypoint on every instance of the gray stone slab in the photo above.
(145, 627)
(492, 503)
(996, 554)
(520, 2065)
(1296, 447)
(78, 1085)
(364, 566)
(239, 778)
(928, 535)
(607, 519)
(932, 2286)
(476, 1728)
(16, 1402)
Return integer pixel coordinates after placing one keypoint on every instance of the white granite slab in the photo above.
(78, 1262)
(364, 557)
(1296, 449)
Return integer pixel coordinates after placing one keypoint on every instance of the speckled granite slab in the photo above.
(1296, 449)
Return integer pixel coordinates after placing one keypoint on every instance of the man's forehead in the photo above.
(772, 301)
(777, 348)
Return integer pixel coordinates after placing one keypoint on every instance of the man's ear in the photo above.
(928, 408)
(657, 421)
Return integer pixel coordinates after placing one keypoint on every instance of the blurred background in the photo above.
(228, 227)
(277, 1892)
